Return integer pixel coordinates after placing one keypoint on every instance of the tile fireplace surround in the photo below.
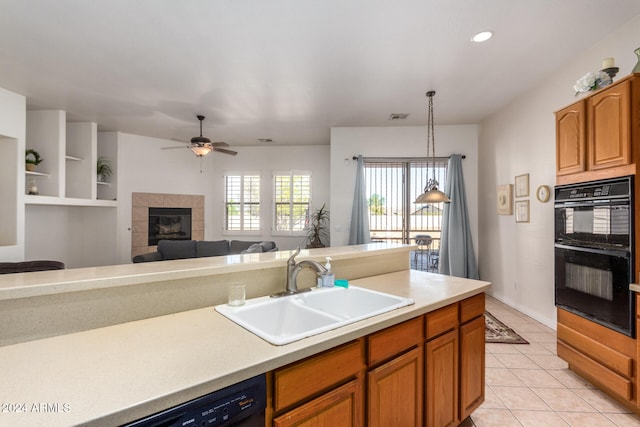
(140, 204)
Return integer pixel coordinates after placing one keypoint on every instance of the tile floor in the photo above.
(528, 385)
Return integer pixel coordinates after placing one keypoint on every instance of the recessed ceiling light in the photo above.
(482, 36)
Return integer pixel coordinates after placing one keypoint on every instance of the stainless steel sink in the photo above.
(284, 320)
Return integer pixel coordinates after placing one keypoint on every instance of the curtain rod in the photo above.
(401, 158)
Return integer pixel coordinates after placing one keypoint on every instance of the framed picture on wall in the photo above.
(522, 210)
(522, 185)
(504, 199)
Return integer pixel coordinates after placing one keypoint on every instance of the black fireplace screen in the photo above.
(169, 224)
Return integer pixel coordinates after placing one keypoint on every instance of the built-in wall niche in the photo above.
(10, 180)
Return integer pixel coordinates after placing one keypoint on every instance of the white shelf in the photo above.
(103, 183)
(32, 173)
(75, 159)
(30, 199)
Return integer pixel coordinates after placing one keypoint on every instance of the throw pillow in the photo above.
(253, 249)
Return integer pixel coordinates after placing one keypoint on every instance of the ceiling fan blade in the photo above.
(171, 148)
(222, 150)
(180, 140)
(219, 144)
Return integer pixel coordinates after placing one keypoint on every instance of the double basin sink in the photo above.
(291, 318)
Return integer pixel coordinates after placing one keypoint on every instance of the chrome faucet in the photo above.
(293, 269)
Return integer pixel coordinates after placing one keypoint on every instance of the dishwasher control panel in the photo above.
(241, 404)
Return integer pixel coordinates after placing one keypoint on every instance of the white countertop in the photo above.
(634, 287)
(120, 373)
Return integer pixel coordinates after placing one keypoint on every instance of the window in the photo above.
(242, 202)
(292, 201)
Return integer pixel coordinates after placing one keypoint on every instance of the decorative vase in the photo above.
(636, 69)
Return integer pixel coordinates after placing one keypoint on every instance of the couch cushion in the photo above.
(212, 248)
(29, 266)
(151, 256)
(253, 249)
(177, 249)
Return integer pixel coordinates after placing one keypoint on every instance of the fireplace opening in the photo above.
(169, 224)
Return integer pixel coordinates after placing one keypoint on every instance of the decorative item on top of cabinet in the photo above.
(596, 135)
(636, 69)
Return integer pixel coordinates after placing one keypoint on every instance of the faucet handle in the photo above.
(295, 254)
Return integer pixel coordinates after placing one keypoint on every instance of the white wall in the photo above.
(396, 141)
(144, 167)
(518, 258)
(12, 178)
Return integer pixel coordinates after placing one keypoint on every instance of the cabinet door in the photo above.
(609, 126)
(471, 366)
(441, 397)
(570, 139)
(341, 407)
(395, 392)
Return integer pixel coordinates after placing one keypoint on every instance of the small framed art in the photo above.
(522, 185)
(504, 199)
(522, 210)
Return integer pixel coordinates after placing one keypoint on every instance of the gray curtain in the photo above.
(359, 232)
(456, 246)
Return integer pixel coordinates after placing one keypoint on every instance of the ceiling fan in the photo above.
(201, 145)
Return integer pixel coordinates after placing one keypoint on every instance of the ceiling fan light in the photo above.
(201, 151)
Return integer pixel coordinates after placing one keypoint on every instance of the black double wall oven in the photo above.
(594, 252)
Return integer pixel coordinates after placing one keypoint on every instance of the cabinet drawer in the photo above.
(307, 378)
(595, 372)
(471, 308)
(441, 321)
(395, 340)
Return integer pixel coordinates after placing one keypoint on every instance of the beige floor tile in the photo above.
(520, 398)
(501, 377)
(525, 326)
(562, 399)
(491, 361)
(539, 337)
(601, 401)
(570, 379)
(534, 348)
(537, 378)
(494, 418)
(539, 419)
(549, 361)
(491, 401)
(577, 419)
(494, 348)
(516, 361)
(624, 420)
(551, 346)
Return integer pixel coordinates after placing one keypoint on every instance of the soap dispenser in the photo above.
(328, 278)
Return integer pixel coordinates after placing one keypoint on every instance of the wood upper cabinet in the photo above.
(595, 137)
(609, 127)
(570, 139)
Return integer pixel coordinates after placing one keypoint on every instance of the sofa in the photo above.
(181, 249)
(29, 266)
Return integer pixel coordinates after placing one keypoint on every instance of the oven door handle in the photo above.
(595, 203)
(615, 252)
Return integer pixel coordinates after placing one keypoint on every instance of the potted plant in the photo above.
(318, 229)
(103, 168)
(31, 159)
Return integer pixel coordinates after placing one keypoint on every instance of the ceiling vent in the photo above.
(398, 116)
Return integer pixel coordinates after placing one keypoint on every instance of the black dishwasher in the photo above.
(241, 404)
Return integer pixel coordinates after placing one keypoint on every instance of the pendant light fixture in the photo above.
(431, 193)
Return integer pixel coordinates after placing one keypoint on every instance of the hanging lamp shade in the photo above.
(431, 193)
(201, 150)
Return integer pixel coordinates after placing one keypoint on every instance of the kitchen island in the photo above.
(118, 373)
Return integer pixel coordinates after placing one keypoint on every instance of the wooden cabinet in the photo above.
(455, 362)
(427, 371)
(596, 135)
(603, 356)
(394, 381)
(326, 388)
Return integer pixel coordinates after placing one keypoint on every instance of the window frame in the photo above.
(274, 206)
(242, 203)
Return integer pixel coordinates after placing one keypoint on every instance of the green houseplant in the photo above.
(318, 228)
(103, 168)
(32, 159)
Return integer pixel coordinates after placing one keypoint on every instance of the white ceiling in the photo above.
(286, 69)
